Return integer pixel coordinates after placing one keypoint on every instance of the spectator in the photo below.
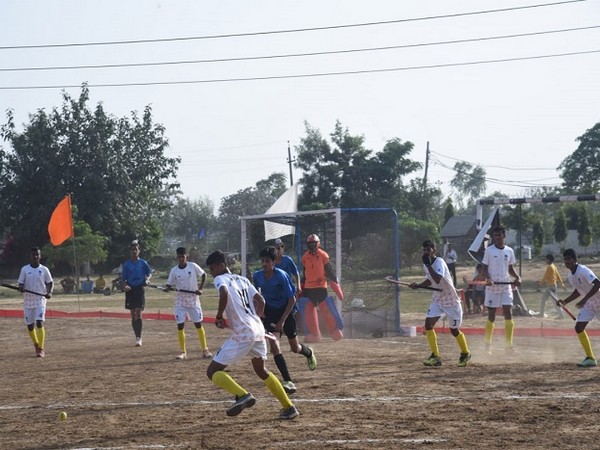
(68, 284)
(450, 258)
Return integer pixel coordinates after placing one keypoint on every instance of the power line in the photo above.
(306, 75)
(490, 166)
(297, 55)
(296, 30)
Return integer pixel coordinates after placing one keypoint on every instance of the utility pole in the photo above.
(290, 161)
(426, 166)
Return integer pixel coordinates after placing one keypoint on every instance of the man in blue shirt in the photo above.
(276, 287)
(135, 275)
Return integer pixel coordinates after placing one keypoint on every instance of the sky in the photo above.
(230, 120)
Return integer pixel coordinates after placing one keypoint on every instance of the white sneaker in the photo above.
(289, 387)
(138, 342)
(182, 356)
(206, 354)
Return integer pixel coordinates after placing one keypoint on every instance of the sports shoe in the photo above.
(138, 341)
(463, 361)
(241, 403)
(41, 353)
(182, 356)
(488, 348)
(588, 362)
(37, 349)
(433, 361)
(289, 387)
(289, 414)
(312, 360)
(206, 354)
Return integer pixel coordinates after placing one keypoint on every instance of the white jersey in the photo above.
(448, 296)
(34, 279)
(186, 278)
(240, 312)
(497, 261)
(583, 281)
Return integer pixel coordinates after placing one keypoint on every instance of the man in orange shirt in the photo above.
(316, 270)
(551, 279)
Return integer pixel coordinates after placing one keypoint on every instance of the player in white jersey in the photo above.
(498, 261)
(35, 281)
(585, 283)
(244, 306)
(184, 279)
(445, 301)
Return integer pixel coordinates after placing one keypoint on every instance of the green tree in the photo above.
(559, 229)
(538, 236)
(413, 232)
(115, 168)
(185, 221)
(90, 247)
(469, 182)
(247, 202)
(584, 231)
(580, 171)
(346, 174)
(448, 210)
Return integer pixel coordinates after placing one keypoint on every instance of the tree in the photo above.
(115, 168)
(469, 182)
(448, 210)
(184, 224)
(346, 174)
(580, 171)
(538, 236)
(246, 202)
(560, 227)
(90, 247)
(584, 232)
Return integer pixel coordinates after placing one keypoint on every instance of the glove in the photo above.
(428, 260)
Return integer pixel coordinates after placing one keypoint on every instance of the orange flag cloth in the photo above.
(60, 227)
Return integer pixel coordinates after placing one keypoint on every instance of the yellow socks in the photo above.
(489, 331)
(276, 389)
(33, 336)
(181, 337)
(586, 344)
(462, 342)
(202, 338)
(41, 334)
(225, 382)
(509, 327)
(432, 339)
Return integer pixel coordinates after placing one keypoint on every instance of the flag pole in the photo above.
(77, 282)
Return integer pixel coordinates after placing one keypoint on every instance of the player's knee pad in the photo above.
(331, 314)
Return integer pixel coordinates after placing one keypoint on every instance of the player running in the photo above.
(243, 305)
(445, 301)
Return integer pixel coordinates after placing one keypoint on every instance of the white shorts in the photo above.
(32, 314)
(588, 312)
(232, 352)
(498, 299)
(194, 313)
(454, 313)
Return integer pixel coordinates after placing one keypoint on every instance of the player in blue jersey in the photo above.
(135, 275)
(276, 287)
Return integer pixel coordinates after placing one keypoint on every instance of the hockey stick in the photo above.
(564, 308)
(392, 280)
(485, 283)
(164, 288)
(16, 288)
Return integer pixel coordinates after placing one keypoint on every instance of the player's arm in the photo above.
(223, 297)
(259, 304)
(329, 272)
(511, 271)
(49, 289)
(202, 283)
(575, 294)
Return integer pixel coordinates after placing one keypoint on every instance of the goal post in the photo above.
(363, 246)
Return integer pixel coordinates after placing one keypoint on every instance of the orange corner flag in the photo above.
(60, 227)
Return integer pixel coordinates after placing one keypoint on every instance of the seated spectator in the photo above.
(68, 284)
(99, 285)
(87, 285)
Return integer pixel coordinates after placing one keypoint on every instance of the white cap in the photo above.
(278, 241)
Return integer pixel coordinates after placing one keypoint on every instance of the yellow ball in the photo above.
(62, 416)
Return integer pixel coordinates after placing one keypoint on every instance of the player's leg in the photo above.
(41, 336)
(493, 301)
(195, 315)
(289, 328)
(545, 296)
(509, 323)
(455, 316)
(583, 318)
(179, 313)
(289, 411)
(230, 353)
(29, 317)
(433, 314)
(559, 311)
(269, 321)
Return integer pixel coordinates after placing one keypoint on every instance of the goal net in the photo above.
(362, 244)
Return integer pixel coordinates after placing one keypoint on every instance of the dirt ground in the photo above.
(365, 394)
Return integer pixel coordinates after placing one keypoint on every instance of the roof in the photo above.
(458, 226)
